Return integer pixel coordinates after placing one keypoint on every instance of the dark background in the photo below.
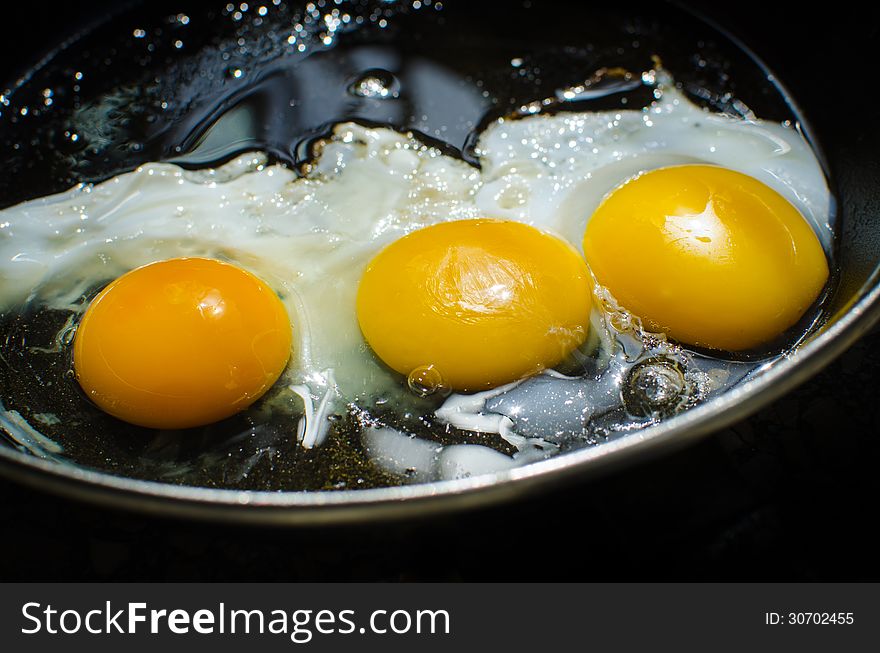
(789, 494)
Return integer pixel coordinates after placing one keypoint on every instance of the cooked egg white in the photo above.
(310, 237)
(554, 170)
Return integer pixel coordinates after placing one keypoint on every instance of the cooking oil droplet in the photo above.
(425, 381)
(376, 84)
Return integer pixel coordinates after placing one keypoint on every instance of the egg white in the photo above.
(554, 170)
(311, 236)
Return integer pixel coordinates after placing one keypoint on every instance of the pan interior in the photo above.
(198, 84)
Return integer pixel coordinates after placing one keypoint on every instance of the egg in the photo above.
(181, 343)
(709, 256)
(480, 303)
(308, 238)
(373, 201)
(554, 170)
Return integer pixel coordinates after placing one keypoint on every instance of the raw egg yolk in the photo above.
(474, 304)
(181, 343)
(712, 257)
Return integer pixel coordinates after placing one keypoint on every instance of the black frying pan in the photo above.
(820, 79)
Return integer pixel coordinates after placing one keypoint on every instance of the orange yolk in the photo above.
(478, 302)
(181, 343)
(710, 256)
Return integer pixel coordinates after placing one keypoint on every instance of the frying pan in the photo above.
(813, 65)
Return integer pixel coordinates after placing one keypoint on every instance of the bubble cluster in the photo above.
(376, 84)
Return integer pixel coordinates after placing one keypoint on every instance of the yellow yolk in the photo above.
(710, 256)
(478, 302)
(181, 343)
